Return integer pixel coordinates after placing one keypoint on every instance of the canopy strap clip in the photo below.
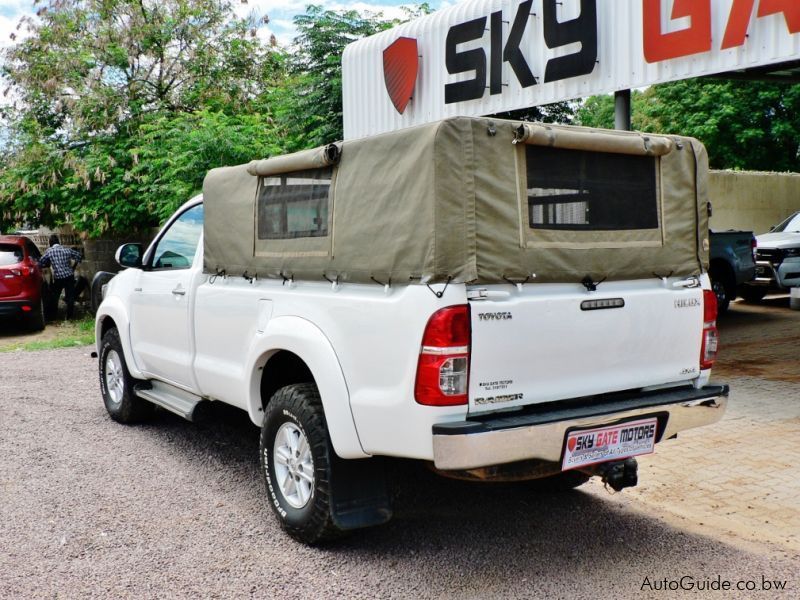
(219, 273)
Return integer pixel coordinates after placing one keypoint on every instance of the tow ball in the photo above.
(618, 474)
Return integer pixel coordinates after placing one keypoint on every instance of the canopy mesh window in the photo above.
(590, 191)
(294, 205)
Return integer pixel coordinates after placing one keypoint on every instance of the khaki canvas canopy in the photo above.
(465, 200)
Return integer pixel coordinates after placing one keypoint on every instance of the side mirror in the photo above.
(772, 228)
(129, 255)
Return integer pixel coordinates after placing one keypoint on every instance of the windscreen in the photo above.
(790, 225)
(580, 190)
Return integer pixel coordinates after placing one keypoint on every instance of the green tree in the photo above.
(312, 105)
(557, 112)
(598, 111)
(744, 125)
(91, 80)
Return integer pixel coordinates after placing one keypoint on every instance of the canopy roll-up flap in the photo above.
(316, 158)
(592, 140)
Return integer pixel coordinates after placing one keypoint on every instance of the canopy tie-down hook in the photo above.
(590, 284)
(440, 293)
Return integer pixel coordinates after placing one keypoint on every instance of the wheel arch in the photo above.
(112, 313)
(294, 350)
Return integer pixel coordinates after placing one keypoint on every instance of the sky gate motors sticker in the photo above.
(590, 446)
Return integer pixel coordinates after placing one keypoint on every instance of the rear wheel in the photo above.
(36, 318)
(116, 383)
(296, 460)
(753, 294)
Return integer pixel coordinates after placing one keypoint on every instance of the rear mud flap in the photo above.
(359, 493)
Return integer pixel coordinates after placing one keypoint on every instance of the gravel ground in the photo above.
(90, 508)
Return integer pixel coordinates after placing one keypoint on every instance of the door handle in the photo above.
(179, 292)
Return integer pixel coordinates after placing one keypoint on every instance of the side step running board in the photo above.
(173, 399)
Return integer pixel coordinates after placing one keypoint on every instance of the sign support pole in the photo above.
(622, 110)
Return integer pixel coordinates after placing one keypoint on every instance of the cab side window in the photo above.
(176, 248)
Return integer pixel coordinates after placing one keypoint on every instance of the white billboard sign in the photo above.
(483, 57)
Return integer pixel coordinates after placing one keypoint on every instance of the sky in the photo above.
(280, 13)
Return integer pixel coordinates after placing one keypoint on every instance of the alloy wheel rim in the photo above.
(294, 465)
(115, 381)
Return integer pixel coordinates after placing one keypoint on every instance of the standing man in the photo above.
(60, 259)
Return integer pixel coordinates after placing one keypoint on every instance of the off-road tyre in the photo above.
(298, 407)
(122, 404)
(752, 294)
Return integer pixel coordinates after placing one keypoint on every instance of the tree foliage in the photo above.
(123, 105)
(744, 125)
(312, 111)
(94, 82)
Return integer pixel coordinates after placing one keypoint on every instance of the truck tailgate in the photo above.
(549, 342)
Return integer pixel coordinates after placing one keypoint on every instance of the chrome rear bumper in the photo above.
(540, 432)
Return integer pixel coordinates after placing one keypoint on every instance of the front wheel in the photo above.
(116, 383)
(296, 462)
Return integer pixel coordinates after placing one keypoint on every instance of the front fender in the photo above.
(114, 308)
(306, 340)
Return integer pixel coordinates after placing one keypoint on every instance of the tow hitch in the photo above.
(619, 474)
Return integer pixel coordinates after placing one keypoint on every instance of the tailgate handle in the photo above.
(691, 282)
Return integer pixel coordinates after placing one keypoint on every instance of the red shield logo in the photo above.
(400, 67)
(571, 444)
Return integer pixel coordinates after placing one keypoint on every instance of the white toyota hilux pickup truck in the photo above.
(501, 300)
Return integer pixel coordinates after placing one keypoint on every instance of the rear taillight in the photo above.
(23, 272)
(708, 349)
(443, 367)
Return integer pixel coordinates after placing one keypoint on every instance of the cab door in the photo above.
(162, 337)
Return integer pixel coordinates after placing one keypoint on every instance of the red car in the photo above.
(21, 285)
